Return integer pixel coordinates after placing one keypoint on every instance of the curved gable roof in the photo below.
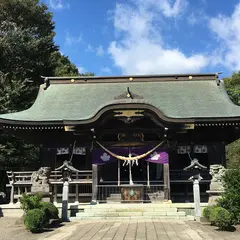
(174, 99)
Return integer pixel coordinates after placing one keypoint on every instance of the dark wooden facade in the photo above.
(132, 111)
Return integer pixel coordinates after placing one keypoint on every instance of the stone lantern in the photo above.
(67, 170)
(196, 167)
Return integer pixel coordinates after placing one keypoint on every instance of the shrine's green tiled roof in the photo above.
(175, 98)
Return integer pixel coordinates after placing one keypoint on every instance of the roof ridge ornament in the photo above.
(67, 170)
(128, 94)
(195, 165)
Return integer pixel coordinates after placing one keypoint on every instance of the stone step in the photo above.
(129, 214)
(113, 199)
(130, 209)
(131, 205)
(115, 195)
(183, 218)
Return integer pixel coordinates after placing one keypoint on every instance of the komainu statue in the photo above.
(216, 171)
(41, 176)
(216, 187)
(40, 181)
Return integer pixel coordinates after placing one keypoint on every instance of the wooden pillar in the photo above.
(119, 173)
(166, 182)
(94, 182)
(148, 177)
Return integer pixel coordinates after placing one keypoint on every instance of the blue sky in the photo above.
(117, 37)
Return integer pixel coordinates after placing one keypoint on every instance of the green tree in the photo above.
(233, 154)
(63, 66)
(27, 52)
(230, 199)
(26, 46)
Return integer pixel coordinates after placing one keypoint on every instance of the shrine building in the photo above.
(133, 133)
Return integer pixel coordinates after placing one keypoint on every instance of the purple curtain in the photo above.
(100, 157)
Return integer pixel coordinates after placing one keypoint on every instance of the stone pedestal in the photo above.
(213, 196)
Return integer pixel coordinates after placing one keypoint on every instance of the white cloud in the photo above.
(141, 48)
(99, 50)
(192, 19)
(197, 17)
(70, 40)
(59, 4)
(227, 30)
(168, 7)
(81, 69)
(89, 48)
(106, 70)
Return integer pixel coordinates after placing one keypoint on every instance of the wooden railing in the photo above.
(80, 186)
(183, 176)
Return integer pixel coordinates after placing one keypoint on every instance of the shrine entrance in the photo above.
(127, 153)
(137, 172)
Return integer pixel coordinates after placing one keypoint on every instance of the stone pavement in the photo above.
(138, 230)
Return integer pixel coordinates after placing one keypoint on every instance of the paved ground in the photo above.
(11, 229)
(120, 230)
(139, 230)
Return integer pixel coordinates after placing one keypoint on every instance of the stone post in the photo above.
(196, 195)
(65, 201)
(12, 194)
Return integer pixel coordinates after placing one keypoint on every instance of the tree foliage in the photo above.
(233, 154)
(232, 85)
(230, 199)
(27, 52)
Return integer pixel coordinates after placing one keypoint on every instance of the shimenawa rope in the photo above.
(130, 158)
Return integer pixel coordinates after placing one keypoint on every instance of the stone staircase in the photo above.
(131, 211)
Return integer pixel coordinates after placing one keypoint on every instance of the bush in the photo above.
(50, 210)
(29, 202)
(207, 211)
(230, 199)
(221, 218)
(35, 220)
